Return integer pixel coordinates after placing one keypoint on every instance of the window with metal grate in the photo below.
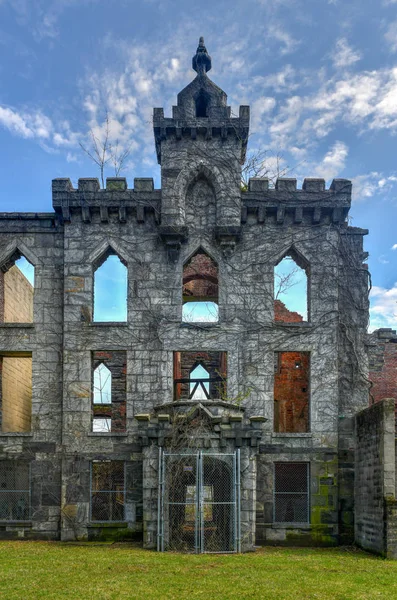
(291, 492)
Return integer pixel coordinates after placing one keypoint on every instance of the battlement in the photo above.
(89, 197)
(285, 198)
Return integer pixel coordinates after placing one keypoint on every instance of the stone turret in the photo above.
(201, 140)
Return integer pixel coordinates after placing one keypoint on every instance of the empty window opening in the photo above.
(291, 392)
(14, 490)
(102, 385)
(291, 290)
(291, 493)
(109, 391)
(200, 375)
(107, 490)
(110, 289)
(199, 383)
(17, 290)
(16, 394)
(202, 104)
(200, 289)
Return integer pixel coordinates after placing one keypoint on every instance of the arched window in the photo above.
(291, 303)
(200, 289)
(110, 289)
(202, 102)
(102, 385)
(17, 283)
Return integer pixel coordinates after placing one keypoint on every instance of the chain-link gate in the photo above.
(199, 502)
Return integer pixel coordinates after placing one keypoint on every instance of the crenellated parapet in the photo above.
(89, 198)
(312, 203)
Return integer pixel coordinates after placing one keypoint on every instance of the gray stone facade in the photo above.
(155, 231)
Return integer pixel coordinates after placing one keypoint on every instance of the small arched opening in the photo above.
(202, 104)
(200, 289)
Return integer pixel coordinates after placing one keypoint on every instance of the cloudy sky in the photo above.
(320, 76)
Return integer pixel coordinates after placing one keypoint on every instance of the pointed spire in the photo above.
(201, 61)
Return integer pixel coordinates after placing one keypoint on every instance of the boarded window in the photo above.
(16, 290)
(291, 492)
(14, 490)
(291, 392)
(107, 490)
(109, 372)
(200, 375)
(291, 290)
(110, 289)
(200, 289)
(16, 394)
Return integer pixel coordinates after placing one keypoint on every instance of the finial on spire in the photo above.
(201, 61)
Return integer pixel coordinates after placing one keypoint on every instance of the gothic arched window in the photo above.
(110, 289)
(17, 283)
(291, 287)
(200, 289)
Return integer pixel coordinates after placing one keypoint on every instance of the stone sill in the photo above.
(305, 526)
(299, 324)
(15, 523)
(17, 325)
(293, 435)
(108, 324)
(99, 524)
(16, 434)
(199, 325)
(108, 435)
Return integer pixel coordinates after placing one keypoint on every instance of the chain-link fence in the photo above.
(107, 490)
(14, 491)
(199, 499)
(291, 492)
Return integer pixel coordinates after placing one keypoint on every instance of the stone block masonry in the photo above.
(375, 482)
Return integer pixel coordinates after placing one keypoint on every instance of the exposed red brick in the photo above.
(282, 314)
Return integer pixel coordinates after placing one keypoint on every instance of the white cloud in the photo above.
(281, 35)
(391, 36)
(333, 162)
(260, 107)
(344, 55)
(383, 311)
(394, 247)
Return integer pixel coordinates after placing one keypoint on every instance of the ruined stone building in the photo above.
(206, 414)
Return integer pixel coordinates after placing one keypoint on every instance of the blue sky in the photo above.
(320, 76)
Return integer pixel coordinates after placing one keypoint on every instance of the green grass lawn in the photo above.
(95, 571)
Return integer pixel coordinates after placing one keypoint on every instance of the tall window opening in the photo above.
(202, 104)
(16, 290)
(200, 375)
(291, 289)
(291, 493)
(200, 289)
(14, 490)
(291, 392)
(16, 394)
(107, 490)
(109, 391)
(110, 289)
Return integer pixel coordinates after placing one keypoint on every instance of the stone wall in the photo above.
(375, 484)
